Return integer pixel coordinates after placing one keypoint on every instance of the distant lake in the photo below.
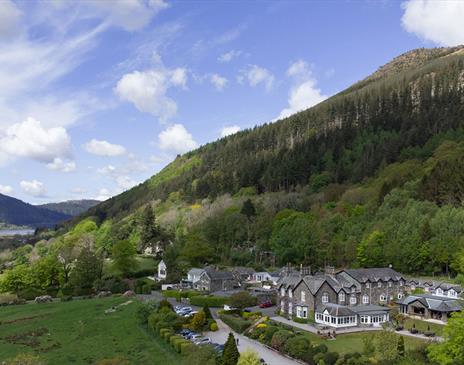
(14, 232)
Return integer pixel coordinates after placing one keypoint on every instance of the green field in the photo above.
(79, 332)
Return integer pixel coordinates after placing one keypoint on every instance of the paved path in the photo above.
(271, 357)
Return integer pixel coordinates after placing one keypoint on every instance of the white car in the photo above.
(196, 337)
(202, 341)
(190, 314)
(229, 308)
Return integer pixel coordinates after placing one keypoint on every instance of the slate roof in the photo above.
(219, 275)
(242, 270)
(336, 310)
(435, 303)
(370, 309)
(195, 271)
(374, 274)
(289, 281)
(435, 285)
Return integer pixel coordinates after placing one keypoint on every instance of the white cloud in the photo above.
(104, 148)
(31, 140)
(34, 188)
(147, 89)
(218, 81)
(6, 189)
(130, 15)
(256, 75)
(304, 94)
(438, 21)
(9, 18)
(125, 182)
(176, 139)
(226, 131)
(103, 194)
(228, 56)
(107, 170)
(60, 165)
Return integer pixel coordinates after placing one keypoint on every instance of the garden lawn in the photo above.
(79, 332)
(423, 326)
(353, 342)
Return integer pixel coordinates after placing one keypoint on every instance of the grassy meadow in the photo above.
(79, 332)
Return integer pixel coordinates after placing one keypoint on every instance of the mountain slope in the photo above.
(16, 212)
(343, 139)
(71, 207)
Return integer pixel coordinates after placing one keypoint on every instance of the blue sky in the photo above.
(97, 96)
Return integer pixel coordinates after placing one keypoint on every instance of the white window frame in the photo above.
(379, 284)
(383, 298)
(365, 299)
(368, 285)
(353, 299)
(303, 296)
(325, 297)
(341, 297)
(400, 295)
(282, 292)
(439, 291)
(290, 293)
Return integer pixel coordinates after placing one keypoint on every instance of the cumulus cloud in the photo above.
(176, 139)
(125, 182)
(256, 75)
(9, 18)
(6, 189)
(228, 130)
(34, 188)
(31, 140)
(218, 81)
(104, 148)
(438, 21)
(304, 93)
(60, 165)
(103, 194)
(147, 90)
(228, 56)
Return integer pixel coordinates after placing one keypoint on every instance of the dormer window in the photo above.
(353, 299)
(452, 293)
(439, 291)
(325, 298)
(390, 284)
(290, 293)
(341, 297)
(379, 284)
(282, 292)
(365, 299)
(368, 285)
(401, 283)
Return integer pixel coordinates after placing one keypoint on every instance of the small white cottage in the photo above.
(162, 270)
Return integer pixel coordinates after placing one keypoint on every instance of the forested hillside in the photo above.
(369, 177)
(16, 212)
(71, 207)
(373, 176)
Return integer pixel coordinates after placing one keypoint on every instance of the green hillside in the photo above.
(71, 207)
(373, 176)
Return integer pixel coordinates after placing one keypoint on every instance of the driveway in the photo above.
(271, 357)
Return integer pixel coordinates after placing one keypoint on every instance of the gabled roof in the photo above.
(289, 281)
(219, 275)
(374, 274)
(195, 271)
(433, 302)
(242, 270)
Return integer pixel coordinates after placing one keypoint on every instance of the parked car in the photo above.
(218, 348)
(185, 332)
(183, 311)
(265, 305)
(195, 337)
(191, 334)
(190, 314)
(202, 341)
(229, 308)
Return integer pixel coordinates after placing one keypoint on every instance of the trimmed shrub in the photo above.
(163, 331)
(213, 327)
(280, 338)
(167, 335)
(236, 323)
(210, 301)
(146, 289)
(30, 293)
(330, 358)
(297, 346)
(187, 348)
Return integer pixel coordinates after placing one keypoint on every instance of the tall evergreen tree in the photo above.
(150, 232)
(248, 209)
(230, 355)
(400, 346)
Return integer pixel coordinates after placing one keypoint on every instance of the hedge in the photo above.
(210, 301)
(299, 320)
(187, 348)
(237, 324)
